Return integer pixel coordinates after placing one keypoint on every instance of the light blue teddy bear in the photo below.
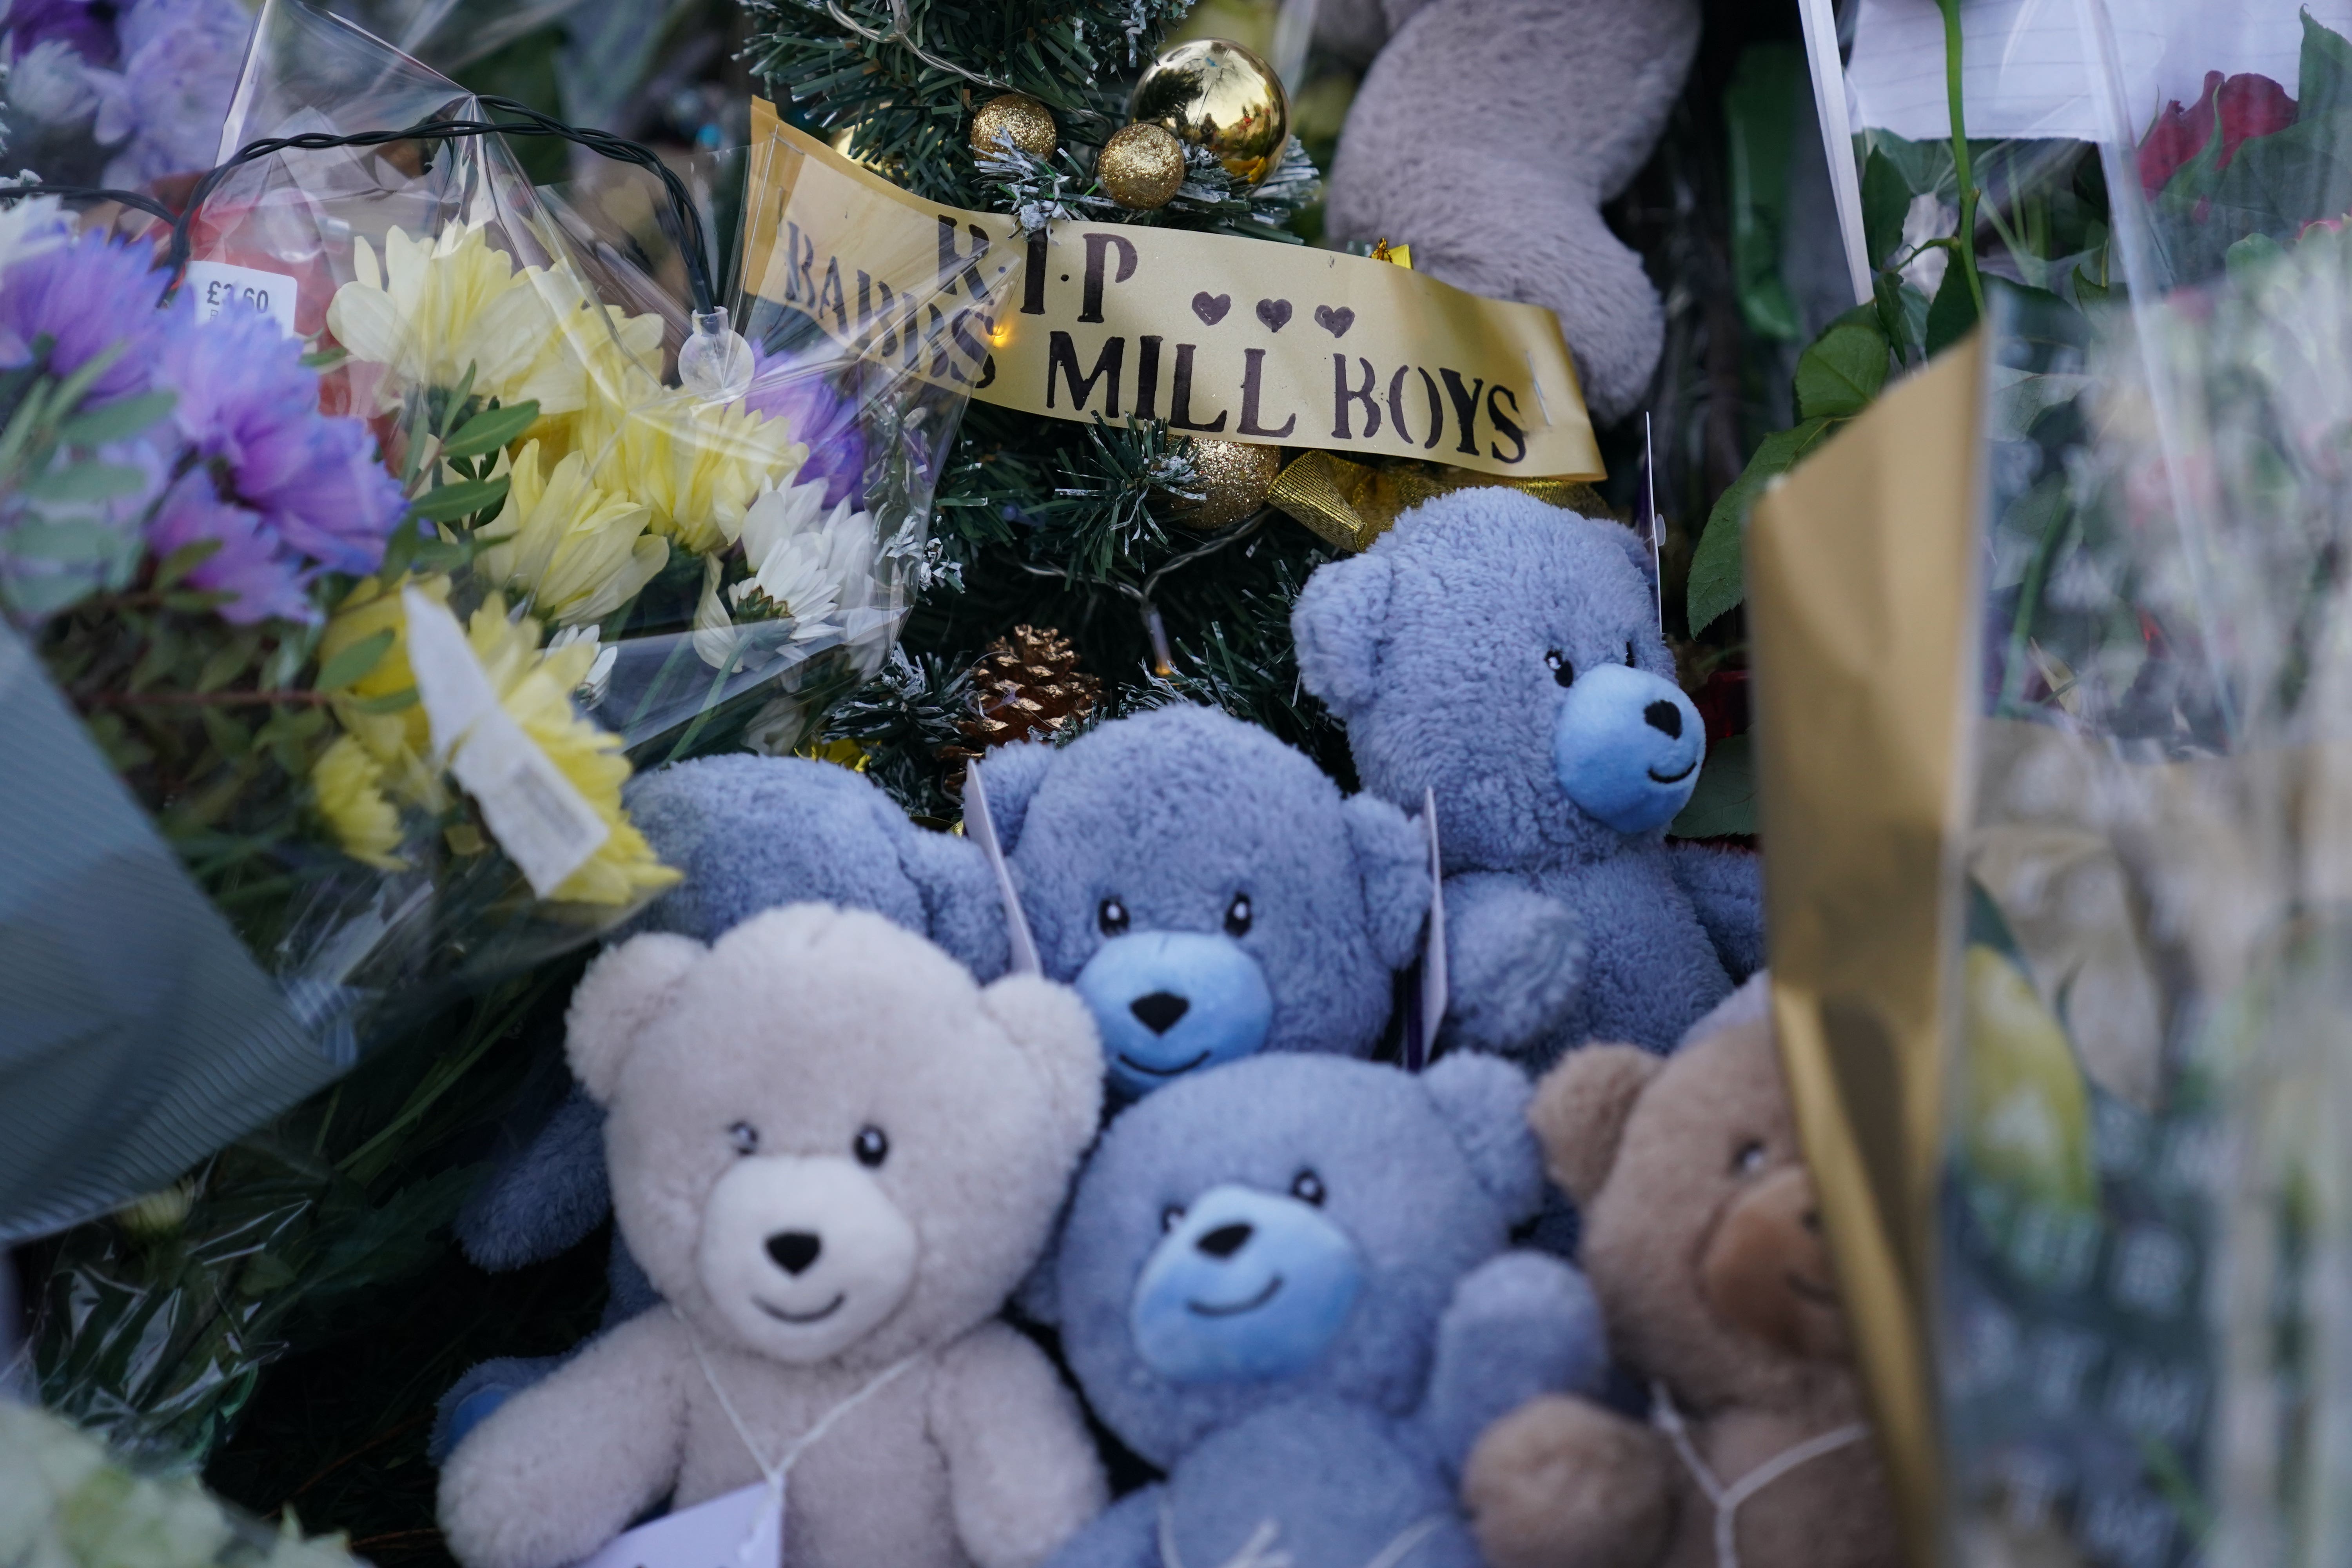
(1505, 654)
(1288, 1284)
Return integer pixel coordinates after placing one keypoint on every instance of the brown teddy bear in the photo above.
(1704, 1244)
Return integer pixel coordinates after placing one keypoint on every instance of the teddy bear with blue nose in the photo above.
(1505, 654)
(1289, 1283)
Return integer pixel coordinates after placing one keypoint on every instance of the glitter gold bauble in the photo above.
(1017, 117)
(1215, 94)
(1141, 166)
(1232, 477)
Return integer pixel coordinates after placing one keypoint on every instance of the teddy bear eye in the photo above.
(1629, 653)
(1749, 1159)
(1171, 1216)
(1112, 916)
(872, 1146)
(744, 1136)
(1562, 671)
(1307, 1188)
(1237, 916)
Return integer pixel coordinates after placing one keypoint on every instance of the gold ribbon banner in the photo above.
(1237, 339)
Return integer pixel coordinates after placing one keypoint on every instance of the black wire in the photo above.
(533, 123)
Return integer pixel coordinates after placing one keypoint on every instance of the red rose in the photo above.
(2247, 106)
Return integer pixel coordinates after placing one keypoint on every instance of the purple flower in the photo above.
(180, 65)
(250, 410)
(84, 297)
(81, 25)
(250, 566)
(816, 412)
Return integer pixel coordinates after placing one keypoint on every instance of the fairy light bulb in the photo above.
(715, 362)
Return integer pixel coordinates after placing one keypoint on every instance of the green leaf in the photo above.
(1723, 803)
(451, 503)
(490, 429)
(1843, 370)
(70, 390)
(117, 421)
(325, 359)
(223, 665)
(353, 662)
(173, 568)
(2252, 255)
(2324, 75)
(390, 702)
(83, 482)
(1885, 203)
(71, 541)
(1902, 316)
(1716, 573)
(1954, 311)
(2090, 290)
(228, 735)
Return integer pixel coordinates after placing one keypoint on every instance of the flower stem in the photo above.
(1960, 167)
(208, 699)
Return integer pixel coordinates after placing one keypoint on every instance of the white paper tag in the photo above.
(217, 285)
(545, 825)
(741, 1529)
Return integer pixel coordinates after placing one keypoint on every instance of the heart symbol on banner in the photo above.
(1335, 322)
(1211, 308)
(1275, 313)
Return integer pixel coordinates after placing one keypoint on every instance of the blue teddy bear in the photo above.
(1506, 654)
(1204, 886)
(1289, 1283)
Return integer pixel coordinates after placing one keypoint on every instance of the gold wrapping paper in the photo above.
(1861, 575)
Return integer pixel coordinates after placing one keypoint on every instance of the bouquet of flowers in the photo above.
(374, 558)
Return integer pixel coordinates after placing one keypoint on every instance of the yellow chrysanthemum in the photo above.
(578, 552)
(347, 784)
(698, 464)
(400, 740)
(436, 309)
(534, 685)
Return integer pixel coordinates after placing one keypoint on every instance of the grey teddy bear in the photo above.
(1489, 132)
(1505, 654)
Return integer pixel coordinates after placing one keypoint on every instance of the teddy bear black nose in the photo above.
(1664, 716)
(1160, 1010)
(794, 1250)
(1226, 1240)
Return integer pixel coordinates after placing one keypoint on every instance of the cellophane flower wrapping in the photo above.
(373, 568)
(2148, 1194)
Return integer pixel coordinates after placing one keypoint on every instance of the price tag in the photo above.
(217, 285)
(741, 1529)
(545, 824)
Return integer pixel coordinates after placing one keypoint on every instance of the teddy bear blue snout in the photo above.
(1627, 747)
(1246, 1285)
(1171, 1002)
(803, 1253)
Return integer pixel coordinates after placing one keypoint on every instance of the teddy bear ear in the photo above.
(615, 999)
(1580, 1109)
(1052, 1029)
(1484, 1100)
(1636, 548)
(1340, 622)
(1392, 861)
(1014, 774)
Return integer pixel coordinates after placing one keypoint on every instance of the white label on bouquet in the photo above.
(545, 824)
(217, 285)
(741, 1529)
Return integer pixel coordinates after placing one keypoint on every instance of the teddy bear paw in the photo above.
(1561, 1482)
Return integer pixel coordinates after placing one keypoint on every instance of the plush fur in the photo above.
(1487, 134)
(819, 1108)
(1704, 1244)
(1172, 813)
(1506, 654)
(1287, 1283)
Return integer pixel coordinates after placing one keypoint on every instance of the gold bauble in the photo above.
(1215, 94)
(1233, 477)
(841, 142)
(1017, 117)
(1141, 166)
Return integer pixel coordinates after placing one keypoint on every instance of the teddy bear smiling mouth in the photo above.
(1164, 1072)
(1658, 777)
(1235, 1310)
(1806, 1289)
(802, 1319)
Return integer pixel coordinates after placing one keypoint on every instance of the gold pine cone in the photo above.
(1017, 117)
(1141, 166)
